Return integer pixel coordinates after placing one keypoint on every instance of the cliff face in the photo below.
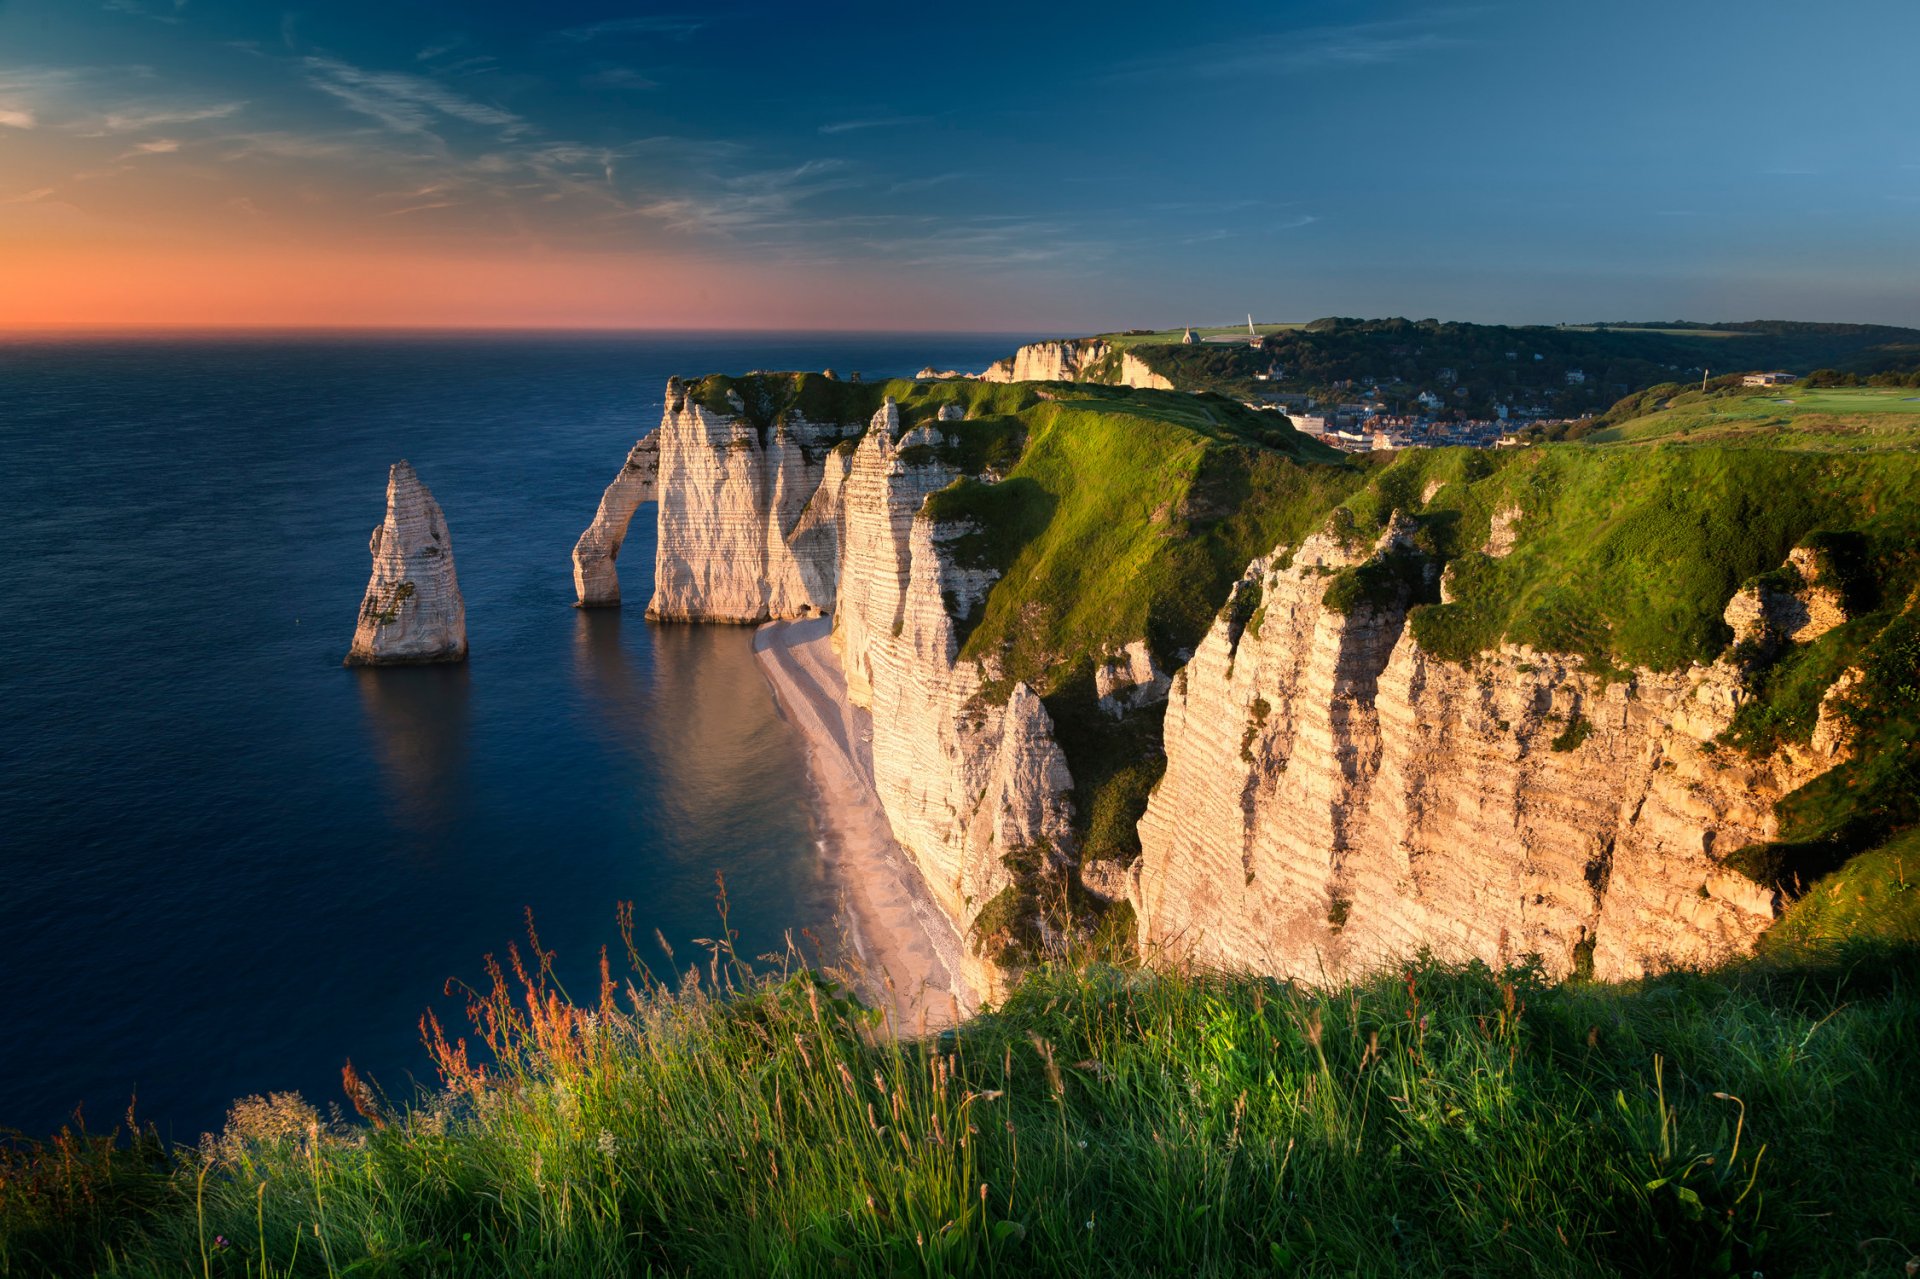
(1075, 360)
(1335, 797)
(732, 494)
(797, 517)
(412, 611)
(1062, 361)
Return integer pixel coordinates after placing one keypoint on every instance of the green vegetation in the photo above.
(1108, 1120)
(1578, 730)
(1103, 1121)
(1846, 420)
(1874, 896)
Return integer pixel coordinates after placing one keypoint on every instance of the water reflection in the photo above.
(609, 679)
(418, 718)
(721, 746)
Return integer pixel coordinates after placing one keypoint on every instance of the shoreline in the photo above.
(909, 949)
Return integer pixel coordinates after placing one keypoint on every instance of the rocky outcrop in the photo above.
(1792, 605)
(1134, 372)
(732, 497)
(965, 780)
(594, 578)
(412, 612)
(1129, 679)
(1061, 361)
(1336, 798)
(1077, 360)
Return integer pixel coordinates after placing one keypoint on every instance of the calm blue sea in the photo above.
(228, 864)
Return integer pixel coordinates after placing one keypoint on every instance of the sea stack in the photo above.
(413, 612)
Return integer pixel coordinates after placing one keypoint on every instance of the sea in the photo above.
(228, 863)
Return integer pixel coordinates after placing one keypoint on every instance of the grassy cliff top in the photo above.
(1831, 419)
(1102, 1121)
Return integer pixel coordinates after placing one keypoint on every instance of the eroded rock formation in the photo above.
(595, 579)
(412, 611)
(1336, 798)
(1061, 361)
(1075, 360)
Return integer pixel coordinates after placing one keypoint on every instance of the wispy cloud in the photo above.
(158, 146)
(1302, 52)
(675, 28)
(873, 122)
(928, 182)
(618, 78)
(160, 11)
(404, 103)
(15, 118)
(27, 197)
(135, 118)
(748, 202)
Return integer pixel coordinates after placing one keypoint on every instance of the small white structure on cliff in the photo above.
(412, 612)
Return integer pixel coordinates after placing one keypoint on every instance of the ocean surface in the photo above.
(227, 863)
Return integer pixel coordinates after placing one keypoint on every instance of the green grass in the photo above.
(1127, 515)
(1875, 895)
(1842, 419)
(1103, 1121)
(1628, 556)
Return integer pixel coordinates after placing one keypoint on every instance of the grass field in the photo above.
(1850, 419)
(1103, 1121)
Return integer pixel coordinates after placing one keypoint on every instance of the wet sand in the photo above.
(905, 942)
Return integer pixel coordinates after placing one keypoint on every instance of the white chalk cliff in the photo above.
(1075, 360)
(1335, 796)
(412, 612)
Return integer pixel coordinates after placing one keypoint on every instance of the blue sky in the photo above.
(1020, 166)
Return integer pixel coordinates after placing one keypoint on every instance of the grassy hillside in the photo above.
(1838, 419)
(1102, 1122)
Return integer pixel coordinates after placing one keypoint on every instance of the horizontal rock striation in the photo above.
(412, 612)
(1336, 798)
(1058, 361)
(1075, 360)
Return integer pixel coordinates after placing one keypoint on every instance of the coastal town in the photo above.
(1537, 383)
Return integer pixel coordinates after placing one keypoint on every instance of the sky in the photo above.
(1014, 167)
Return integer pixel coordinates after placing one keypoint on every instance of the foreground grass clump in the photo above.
(1104, 1121)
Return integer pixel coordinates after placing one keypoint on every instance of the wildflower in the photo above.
(606, 1143)
(1089, 1223)
(221, 1243)
(1083, 1143)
